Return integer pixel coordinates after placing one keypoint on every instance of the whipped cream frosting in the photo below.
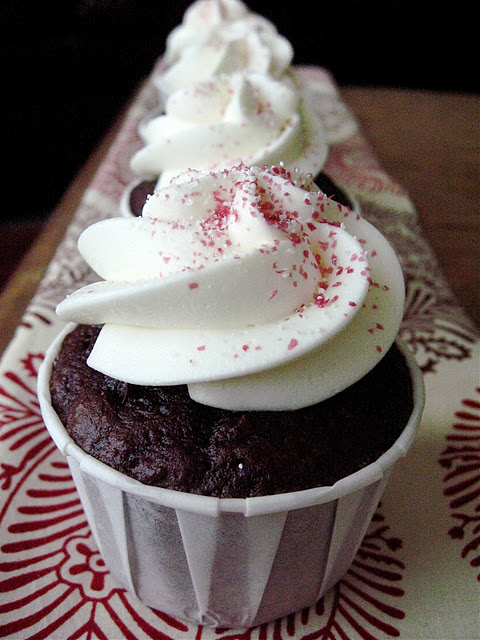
(235, 118)
(221, 37)
(251, 288)
(202, 16)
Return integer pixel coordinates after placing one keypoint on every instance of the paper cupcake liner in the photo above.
(226, 562)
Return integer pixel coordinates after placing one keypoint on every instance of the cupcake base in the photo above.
(161, 437)
(224, 569)
(226, 561)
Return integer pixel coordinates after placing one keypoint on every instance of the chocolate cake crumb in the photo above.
(161, 437)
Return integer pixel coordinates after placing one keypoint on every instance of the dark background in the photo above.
(69, 66)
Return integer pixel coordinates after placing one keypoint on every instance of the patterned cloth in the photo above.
(416, 574)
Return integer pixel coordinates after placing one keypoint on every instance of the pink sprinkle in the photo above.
(352, 304)
(166, 259)
(193, 285)
(292, 344)
(201, 348)
(274, 293)
(245, 347)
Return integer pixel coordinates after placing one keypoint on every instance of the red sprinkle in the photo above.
(292, 344)
(193, 285)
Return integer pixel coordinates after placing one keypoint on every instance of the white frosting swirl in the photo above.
(235, 118)
(200, 17)
(217, 38)
(255, 292)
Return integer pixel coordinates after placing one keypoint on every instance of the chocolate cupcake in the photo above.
(235, 400)
(182, 445)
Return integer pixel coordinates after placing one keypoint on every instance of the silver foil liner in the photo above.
(226, 562)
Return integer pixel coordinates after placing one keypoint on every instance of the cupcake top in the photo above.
(221, 37)
(251, 119)
(253, 288)
(200, 17)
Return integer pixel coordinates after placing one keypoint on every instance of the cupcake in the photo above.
(235, 118)
(231, 396)
(228, 95)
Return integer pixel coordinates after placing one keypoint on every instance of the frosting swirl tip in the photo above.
(239, 275)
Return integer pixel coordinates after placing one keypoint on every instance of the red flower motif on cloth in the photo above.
(84, 566)
(461, 458)
(50, 563)
(21, 424)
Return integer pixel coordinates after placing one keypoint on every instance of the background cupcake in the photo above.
(228, 95)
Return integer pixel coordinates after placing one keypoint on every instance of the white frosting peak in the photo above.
(200, 17)
(232, 280)
(221, 37)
